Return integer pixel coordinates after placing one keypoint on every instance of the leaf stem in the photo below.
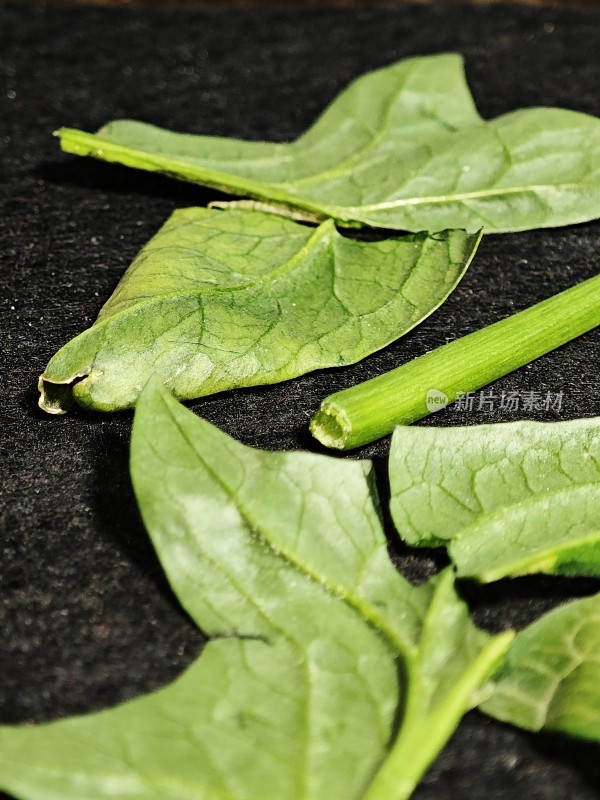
(424, 734)
(369, 410)
(279, 201)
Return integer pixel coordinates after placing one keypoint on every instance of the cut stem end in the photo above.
(330, 427)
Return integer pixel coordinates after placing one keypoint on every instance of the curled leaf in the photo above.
(223, 299)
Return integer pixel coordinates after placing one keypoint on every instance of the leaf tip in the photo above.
(153, 395)
(153, 387)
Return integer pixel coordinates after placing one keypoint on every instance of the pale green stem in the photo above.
(372, 409)
(424, 733)
(80, 143)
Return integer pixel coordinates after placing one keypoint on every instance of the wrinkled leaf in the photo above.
(402, 148)
(223, 299)
(513, 498)
(551, 675)
(319, 647)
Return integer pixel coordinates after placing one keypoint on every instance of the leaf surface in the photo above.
(319, 647)
(223, 299)
(509, 499)
(402, 147)
(549, 680)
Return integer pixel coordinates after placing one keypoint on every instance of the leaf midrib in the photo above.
(530, 500)
(531, 563)
(462, 196)
(365, 610)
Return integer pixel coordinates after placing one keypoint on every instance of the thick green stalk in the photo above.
(372, 409)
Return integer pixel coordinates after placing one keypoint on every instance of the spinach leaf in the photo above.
(223, 299)
(513, 498)
(319, 650)
(402, 148)
(550, 678)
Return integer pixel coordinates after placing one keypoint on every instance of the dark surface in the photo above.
(86, 617)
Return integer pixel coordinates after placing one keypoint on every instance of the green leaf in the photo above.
(513, 498)
(550, 678)
(223, 299)
(402, 148)
(319, 650)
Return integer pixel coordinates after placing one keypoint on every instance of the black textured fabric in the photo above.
(86, 616)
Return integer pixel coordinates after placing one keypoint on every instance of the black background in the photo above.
(86, 617)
